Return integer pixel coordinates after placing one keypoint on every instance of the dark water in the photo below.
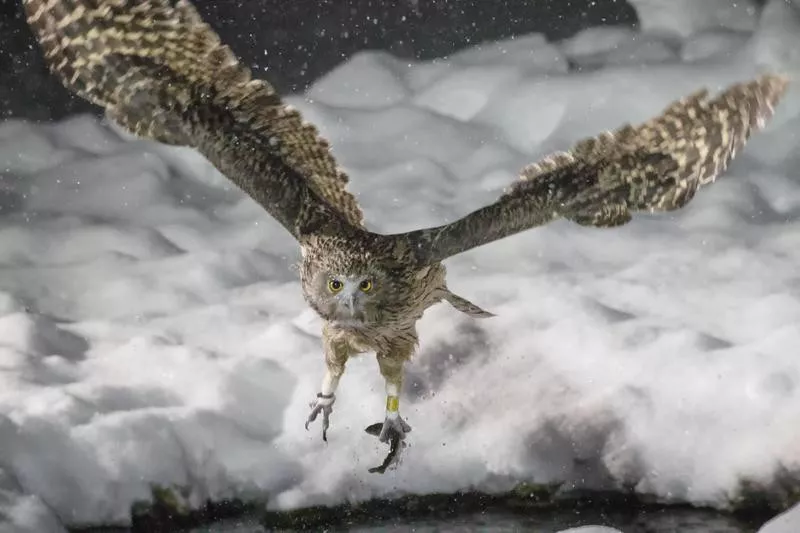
(662, 521)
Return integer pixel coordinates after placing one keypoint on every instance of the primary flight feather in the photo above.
(162, 73)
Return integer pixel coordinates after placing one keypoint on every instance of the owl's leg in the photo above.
(392, 370)
(335, 359)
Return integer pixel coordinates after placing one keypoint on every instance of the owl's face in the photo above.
(349, 299)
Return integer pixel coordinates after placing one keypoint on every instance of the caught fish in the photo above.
(395, 445)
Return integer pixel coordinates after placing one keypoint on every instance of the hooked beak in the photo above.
(349, 302)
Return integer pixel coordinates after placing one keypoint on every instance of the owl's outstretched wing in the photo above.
(656, 166)
(162, 73)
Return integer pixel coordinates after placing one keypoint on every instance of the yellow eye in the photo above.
(334, 285)
(365, 285)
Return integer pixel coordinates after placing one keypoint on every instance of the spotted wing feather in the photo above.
(656, 166)
(162, 73)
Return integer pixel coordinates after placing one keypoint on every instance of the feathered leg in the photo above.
(391, 365)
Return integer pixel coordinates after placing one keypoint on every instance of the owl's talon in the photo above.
(323, 404)
(393, 424)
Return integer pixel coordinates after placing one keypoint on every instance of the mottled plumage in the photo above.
(656, 166)
(162, 73)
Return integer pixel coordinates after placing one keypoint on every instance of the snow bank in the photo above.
(686, 17)
(788, 522)
(591, 529)
(152, 329)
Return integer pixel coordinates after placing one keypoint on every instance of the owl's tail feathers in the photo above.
(661, 164)
(147, 62)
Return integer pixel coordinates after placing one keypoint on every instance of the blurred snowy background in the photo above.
(152, 329)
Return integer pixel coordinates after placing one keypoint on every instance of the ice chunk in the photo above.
(590, 529)
(597, 40)
(464, 93)
(686, 17)
(713, 43)
(369, 80)
(533, 53)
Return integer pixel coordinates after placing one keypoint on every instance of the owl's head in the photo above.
(347, 298)
(351, 293)
(365, 286)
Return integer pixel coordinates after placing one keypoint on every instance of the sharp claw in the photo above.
(393, 425)
(312, 416)
(325, 425)
(316, 409)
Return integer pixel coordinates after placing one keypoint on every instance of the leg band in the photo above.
(392, 404)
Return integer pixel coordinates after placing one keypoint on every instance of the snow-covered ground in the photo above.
(152, 329)
(788, 522)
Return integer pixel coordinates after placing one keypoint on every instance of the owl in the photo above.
(160, 72)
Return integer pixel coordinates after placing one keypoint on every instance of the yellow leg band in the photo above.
(392, 403)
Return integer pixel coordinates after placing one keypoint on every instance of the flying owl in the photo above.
(162, 73)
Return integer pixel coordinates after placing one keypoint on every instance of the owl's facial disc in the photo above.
(349, 297)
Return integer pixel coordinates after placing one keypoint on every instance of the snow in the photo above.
(152, 329)
(462, 94)
(685, 17)
(368, 80)
(777, 42)
(531, 53)
(712, 43)
(788, 522)
(590, 529)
